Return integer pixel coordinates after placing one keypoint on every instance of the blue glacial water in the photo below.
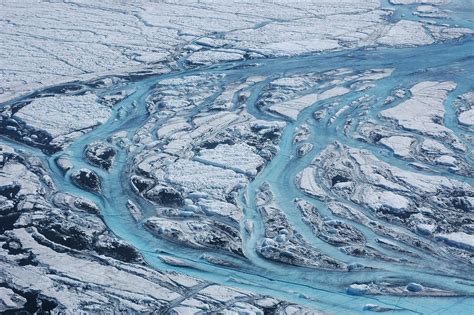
(323, 290)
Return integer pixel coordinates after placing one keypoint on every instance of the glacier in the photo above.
(255, 158)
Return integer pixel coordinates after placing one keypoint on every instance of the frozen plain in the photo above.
(259, 158)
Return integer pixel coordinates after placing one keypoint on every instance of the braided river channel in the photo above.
(324, 290)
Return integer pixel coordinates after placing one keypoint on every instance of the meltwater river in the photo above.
(323, 290)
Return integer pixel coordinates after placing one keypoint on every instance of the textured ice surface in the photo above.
(253, 158)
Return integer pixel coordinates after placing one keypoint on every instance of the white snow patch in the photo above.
(434, 2)
(61, 115)
(467, 117)
(240, 157)
(208, 57)
(424, 111)
(458, 239)
(400, 145)
(298, 47)
(406, 33)
(292, 108)
(198, 177)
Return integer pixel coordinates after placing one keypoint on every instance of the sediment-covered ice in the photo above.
(62, 257)
(422, 150)
(393, 194)
(282, 242)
